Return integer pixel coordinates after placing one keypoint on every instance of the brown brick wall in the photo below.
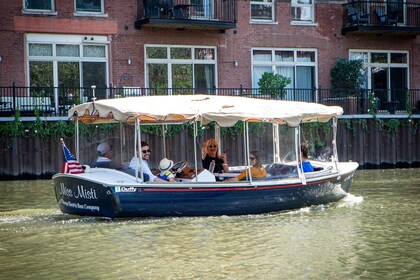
(233, 45)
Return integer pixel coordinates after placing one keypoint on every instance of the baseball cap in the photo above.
(103, 148)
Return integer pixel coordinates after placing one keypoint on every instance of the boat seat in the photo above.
(132, 172)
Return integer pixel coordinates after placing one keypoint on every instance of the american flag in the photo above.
(70, 164)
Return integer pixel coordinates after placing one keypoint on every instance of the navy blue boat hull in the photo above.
(78, 196)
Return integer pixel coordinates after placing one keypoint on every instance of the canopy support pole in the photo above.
(137, 151)
(77, 139)
(248, 164)
(276, 143)
(298, 157)
(334, 144)
(195, 129)
(164, 127)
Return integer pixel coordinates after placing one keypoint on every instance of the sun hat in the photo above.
(165, 164)
(103, 148)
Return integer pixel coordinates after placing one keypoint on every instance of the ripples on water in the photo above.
(370, 234)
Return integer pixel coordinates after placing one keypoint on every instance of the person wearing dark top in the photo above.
(210, 152)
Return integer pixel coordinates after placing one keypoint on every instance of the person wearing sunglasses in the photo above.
(210, 153)
(145, 156)
(257, 170)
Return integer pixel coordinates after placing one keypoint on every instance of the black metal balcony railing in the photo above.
(216, 14)
(381, 17)
(56, 101)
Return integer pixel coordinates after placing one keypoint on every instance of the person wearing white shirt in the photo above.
(145, 156)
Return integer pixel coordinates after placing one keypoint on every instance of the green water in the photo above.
(374, 233)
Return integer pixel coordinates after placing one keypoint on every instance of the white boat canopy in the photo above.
(224, 110)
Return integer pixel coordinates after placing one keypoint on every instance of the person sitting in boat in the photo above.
(257, 170)
(165, 167)
(304, 155)
(145, 156)
(210, 153)
(105, 155)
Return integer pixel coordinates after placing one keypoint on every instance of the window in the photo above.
(202, 8)
(38, 5)
(262, 10)
(302, 11)
(68, 63)
(181, 67)
(90, 6)
(386, 73)
(297, 64)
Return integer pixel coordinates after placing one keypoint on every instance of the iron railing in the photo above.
(380, 13)
(220, 10)
(56, 101)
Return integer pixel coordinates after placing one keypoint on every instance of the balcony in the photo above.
(187, 14)
(382, 18)
(52, 102)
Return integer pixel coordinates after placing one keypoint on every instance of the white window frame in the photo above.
(170, 62)
(83, 13)
(367, 64)
(307, 14)
(295, 63)
(264, 2)
(25, 10)
(55, 40)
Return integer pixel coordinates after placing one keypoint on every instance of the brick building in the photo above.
(207, 44)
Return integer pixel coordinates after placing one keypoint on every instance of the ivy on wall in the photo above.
(66, 129)
(389, 126)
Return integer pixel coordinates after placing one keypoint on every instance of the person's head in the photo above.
(254, 159)
(165, 165)
(304, 149)
(145, 150)
(104, 150)
(212, 147)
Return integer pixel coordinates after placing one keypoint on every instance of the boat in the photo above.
(198, 192)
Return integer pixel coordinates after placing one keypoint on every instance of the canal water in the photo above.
(374, 233)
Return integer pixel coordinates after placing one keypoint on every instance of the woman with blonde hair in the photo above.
(210, 153)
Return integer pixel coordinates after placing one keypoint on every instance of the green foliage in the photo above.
(273, 84)
(318, 133)
(346, 77)
(373, 104)
(408, 105)
(233, 131)
(391, 126)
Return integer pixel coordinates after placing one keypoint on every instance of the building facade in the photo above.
(207, 44)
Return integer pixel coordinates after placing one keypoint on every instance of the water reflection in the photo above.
(371, 234)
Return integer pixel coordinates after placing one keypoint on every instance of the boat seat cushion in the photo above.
(280, 169)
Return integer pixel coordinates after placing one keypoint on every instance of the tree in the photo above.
(273, 84)
(347, 77)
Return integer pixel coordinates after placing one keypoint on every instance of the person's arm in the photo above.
(224, 163)
(238, 178)
(204, 150)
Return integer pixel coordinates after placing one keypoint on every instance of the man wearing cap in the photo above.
(165, 166)
(104, 156)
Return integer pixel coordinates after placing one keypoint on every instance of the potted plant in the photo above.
(273, 84)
